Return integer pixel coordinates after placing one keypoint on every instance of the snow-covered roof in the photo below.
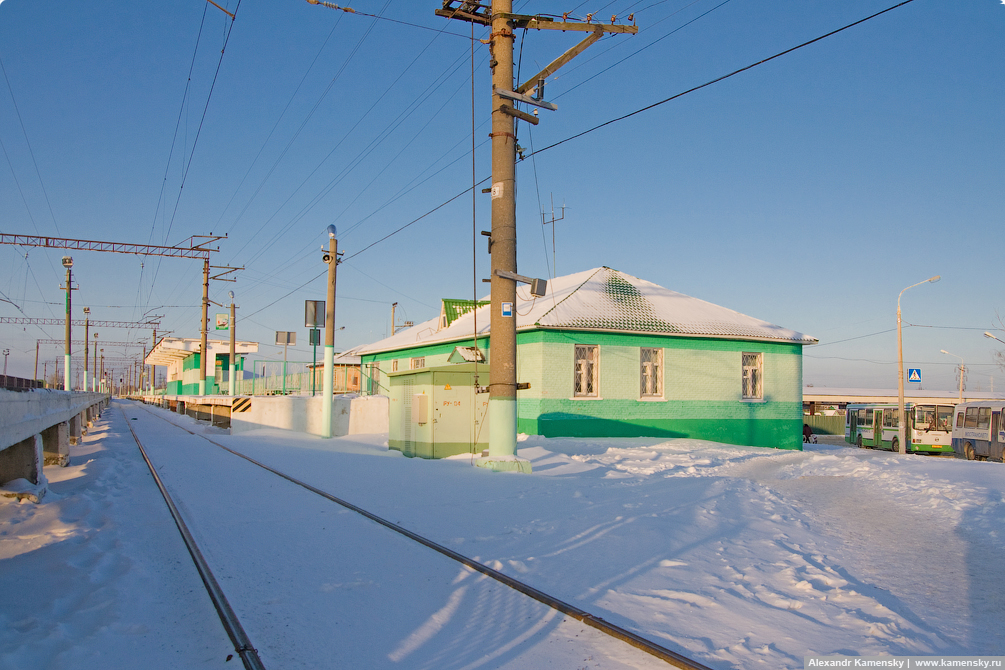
(604, 300)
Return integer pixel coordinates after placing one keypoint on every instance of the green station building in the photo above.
(605, 354)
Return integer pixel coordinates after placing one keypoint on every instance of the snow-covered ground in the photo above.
(737, 557)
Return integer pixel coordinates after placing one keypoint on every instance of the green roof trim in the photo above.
(453, 309)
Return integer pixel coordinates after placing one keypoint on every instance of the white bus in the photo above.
(979, 430)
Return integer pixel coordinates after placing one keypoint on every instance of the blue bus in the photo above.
(979, 432)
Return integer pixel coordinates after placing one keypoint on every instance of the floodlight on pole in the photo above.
(330, 258)
(988, 334)
(901, 424)
(963, 370)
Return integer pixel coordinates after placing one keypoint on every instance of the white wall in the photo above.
(351, 415)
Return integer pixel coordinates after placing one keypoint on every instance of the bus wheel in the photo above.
(968, 449)
(895, 445)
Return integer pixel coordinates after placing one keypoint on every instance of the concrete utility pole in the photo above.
(232, 367)
(94, 382)
(204, 331)
(87, 337)
(502, 241)
(68, 264)
(328, 380)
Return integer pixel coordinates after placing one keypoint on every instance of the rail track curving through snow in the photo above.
(242, 643)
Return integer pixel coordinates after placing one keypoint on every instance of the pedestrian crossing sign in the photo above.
(914, 375)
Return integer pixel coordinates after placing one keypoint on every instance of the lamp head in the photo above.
(987, 334)
(935, 278)
(87, 310)
(331, 230)
(943, 351)
(231, 294)
(67, 262)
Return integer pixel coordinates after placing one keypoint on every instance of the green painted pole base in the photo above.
(232, 369)
(502, 438)
(202, 387)
(66, 372)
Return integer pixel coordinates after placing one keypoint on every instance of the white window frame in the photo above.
(586, 371)
(752, 381)
(651, 373)
(394, 365)
(417, 363)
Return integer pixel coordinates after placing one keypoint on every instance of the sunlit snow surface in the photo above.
(738, 557)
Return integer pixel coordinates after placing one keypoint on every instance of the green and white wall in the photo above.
(702, 387)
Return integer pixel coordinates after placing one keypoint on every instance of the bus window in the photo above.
(945, 417)
(890, 418)
(983, 418)
(959, 420)
(863, 417)
(924, 418)
(970, 421)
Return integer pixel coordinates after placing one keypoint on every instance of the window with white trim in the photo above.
(418, 363)
(585, 383)
(753, 376)
(651, 372)
(394, 365)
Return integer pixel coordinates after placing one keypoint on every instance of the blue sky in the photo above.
(807, 191)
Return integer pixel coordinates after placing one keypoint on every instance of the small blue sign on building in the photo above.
(507, 309)
(914, 375)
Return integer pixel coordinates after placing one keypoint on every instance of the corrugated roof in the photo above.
(606, 300)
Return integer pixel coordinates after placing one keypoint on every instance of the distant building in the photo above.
(610, 355)
(181, 358)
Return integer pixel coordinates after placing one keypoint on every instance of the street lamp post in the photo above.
(6, 353)
(901, 423)
(987, 334)
(328, 380)
(94, 381)
(963, 370)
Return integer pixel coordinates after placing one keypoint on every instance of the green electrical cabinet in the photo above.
(436, 412)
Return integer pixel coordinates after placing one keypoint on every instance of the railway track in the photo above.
(246, 650)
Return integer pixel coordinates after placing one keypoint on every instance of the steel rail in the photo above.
(240, 640)
(613, 630)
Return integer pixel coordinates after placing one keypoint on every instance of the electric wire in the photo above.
(195, 141)
(722, 78)
(645, 109)
(342, 68)
(275, 126)
(31, 152)
(638, 51)
(181, 111)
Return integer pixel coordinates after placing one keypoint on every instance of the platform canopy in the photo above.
(175, 349)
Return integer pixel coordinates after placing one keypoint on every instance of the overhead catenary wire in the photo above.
(649, 107)
(31, 152)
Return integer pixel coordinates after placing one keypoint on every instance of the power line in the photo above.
(28, 142)
(718, 79)
(647, 108)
